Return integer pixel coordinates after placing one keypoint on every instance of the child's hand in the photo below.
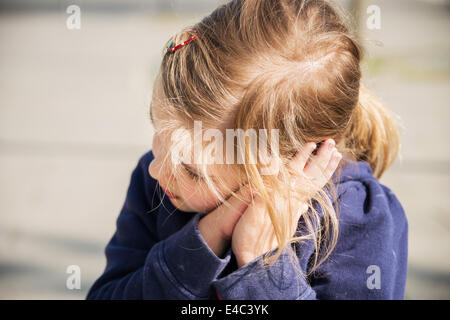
(217, 226)
(255, 221)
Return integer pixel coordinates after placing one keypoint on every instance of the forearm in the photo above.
(209, 231)
(181, 266)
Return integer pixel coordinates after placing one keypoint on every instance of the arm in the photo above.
(141, 266)
(371, 234)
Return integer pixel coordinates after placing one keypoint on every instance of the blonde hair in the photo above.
(288, 64)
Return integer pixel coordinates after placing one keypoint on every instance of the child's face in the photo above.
(186, 191)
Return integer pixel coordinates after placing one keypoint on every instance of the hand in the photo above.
(255, 221)
(218, 225)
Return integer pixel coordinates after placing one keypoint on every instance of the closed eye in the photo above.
(193, 175)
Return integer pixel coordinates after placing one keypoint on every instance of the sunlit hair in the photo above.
(291, 65)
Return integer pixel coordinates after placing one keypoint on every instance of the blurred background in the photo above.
(74, 122)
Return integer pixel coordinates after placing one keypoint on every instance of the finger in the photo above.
(238, 201)
(230, 211)
(320, 161)
(301, 157)
(333, 164)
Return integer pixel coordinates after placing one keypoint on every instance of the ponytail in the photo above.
(373, 135)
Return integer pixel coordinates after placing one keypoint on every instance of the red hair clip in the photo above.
(172, 48)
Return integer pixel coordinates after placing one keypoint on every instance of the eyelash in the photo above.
(193, 175)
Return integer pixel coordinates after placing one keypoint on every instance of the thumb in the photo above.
(238, 201)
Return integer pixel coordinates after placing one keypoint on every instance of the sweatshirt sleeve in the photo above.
(139, 266)
(368, 262)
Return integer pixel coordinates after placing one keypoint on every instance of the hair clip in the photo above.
(172, 48)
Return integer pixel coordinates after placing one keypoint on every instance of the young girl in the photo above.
(321, 227)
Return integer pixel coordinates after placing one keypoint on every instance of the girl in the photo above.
(321, 227)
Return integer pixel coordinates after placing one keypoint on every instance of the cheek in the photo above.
(199, 198)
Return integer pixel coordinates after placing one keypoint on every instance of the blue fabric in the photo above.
(157, 251)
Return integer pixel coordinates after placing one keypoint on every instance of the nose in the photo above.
(156, 167)
(153, 169)
(161, 171)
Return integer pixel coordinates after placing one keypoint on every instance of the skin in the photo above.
(192, 195)
(246, 218)
(240, 223)
(255, 220)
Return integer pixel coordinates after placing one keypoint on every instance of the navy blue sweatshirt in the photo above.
(157, 251)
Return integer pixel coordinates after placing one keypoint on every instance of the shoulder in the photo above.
(145, 159)
(362, 199)
(373, 235)
(142, 187)
(141, 170)
(359, 189)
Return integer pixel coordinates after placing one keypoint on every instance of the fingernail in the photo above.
(331, 144)
(314, 150)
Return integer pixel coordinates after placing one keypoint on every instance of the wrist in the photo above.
(212, 236)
